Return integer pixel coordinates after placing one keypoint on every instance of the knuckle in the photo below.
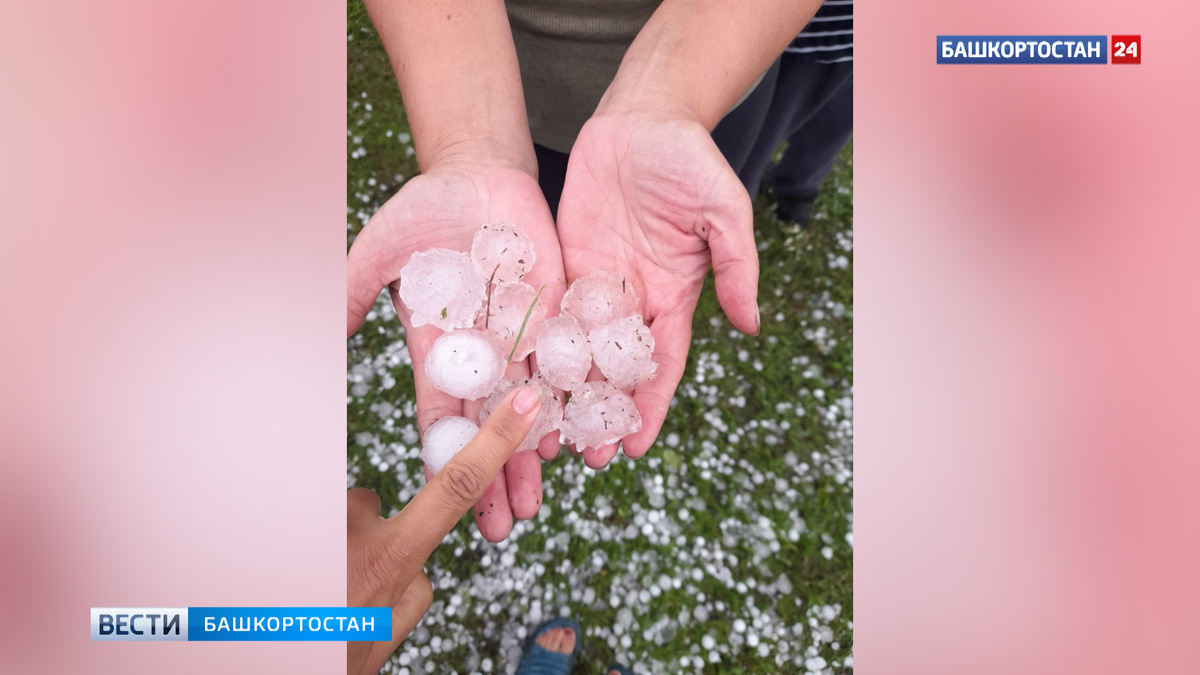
(361, 503)
(464, 482)
(505, 429)
(422, 591)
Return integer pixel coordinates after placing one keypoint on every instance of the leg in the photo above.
(813, 146)
(802, 91)
(738, 132)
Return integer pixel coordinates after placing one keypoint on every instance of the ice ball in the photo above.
(444, 438)
(465, 364)
(622, 350)
(442, 287)
(598, 414)
(549, 415)
(506, 313)
(600, 297)
(505, 249)
(563, 355)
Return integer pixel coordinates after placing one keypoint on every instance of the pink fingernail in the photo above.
(525, 400)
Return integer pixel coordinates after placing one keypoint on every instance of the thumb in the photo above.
(730, 236)
(366, 275)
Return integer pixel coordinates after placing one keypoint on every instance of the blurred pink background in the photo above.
(1027, 346)
(172, 381)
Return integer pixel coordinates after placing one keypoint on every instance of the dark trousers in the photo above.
(810, 105)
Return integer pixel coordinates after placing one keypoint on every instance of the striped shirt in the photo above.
(829, 35)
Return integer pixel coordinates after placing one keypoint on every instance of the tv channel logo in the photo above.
(1039, 49)
(271, 624)
(139, 623)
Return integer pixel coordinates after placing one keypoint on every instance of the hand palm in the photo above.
(656, 202)
(444, 209)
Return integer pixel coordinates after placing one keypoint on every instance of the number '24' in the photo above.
(1121, 49)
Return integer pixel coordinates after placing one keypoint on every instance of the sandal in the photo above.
(539, 661)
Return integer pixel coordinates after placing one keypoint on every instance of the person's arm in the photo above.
(694, 59)
(457, 69)
(385, 557)
(648, 195)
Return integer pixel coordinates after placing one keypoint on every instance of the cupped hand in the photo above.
(444, 208)
(385, 557)
(652, 199)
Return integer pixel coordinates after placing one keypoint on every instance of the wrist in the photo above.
(460, 152)
(645, 89)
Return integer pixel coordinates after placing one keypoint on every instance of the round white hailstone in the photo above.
(444, 438)
(441, 287)
(622, 350)
(549, 415)
(563, 354)
(506, 313)
(506, 245)
(600, 297)
(598, 414)
(465, 364)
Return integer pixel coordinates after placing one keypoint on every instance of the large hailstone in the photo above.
(563, 355)
(598, 414)
(444, 438)
(505, 249)
(442, 287)
(466, 364)
(622, 350)
(506, 313)
(598, 298)
(549, 415)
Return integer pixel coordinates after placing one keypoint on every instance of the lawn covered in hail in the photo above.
(728, 548)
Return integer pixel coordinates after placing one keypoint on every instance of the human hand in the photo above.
(384, 558)
(444, 208)
(650, 197)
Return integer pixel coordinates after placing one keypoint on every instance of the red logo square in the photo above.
(1126, 48)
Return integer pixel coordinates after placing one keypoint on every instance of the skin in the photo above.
(443, 209)
(647, 193)
(385, 557)
(561, 640)
(467, 113)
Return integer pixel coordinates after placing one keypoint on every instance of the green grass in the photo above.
(757, 450)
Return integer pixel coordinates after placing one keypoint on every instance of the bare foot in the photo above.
(560, 640)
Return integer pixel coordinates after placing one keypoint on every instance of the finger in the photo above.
(437, 508)
(368, 267)
(493, 514)
(413, 605)
(432, 404)
(672, 338)
(547, 270)
(523, 474)
(550, 446)
(362, 509)
(598, 458)
(730, 235)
